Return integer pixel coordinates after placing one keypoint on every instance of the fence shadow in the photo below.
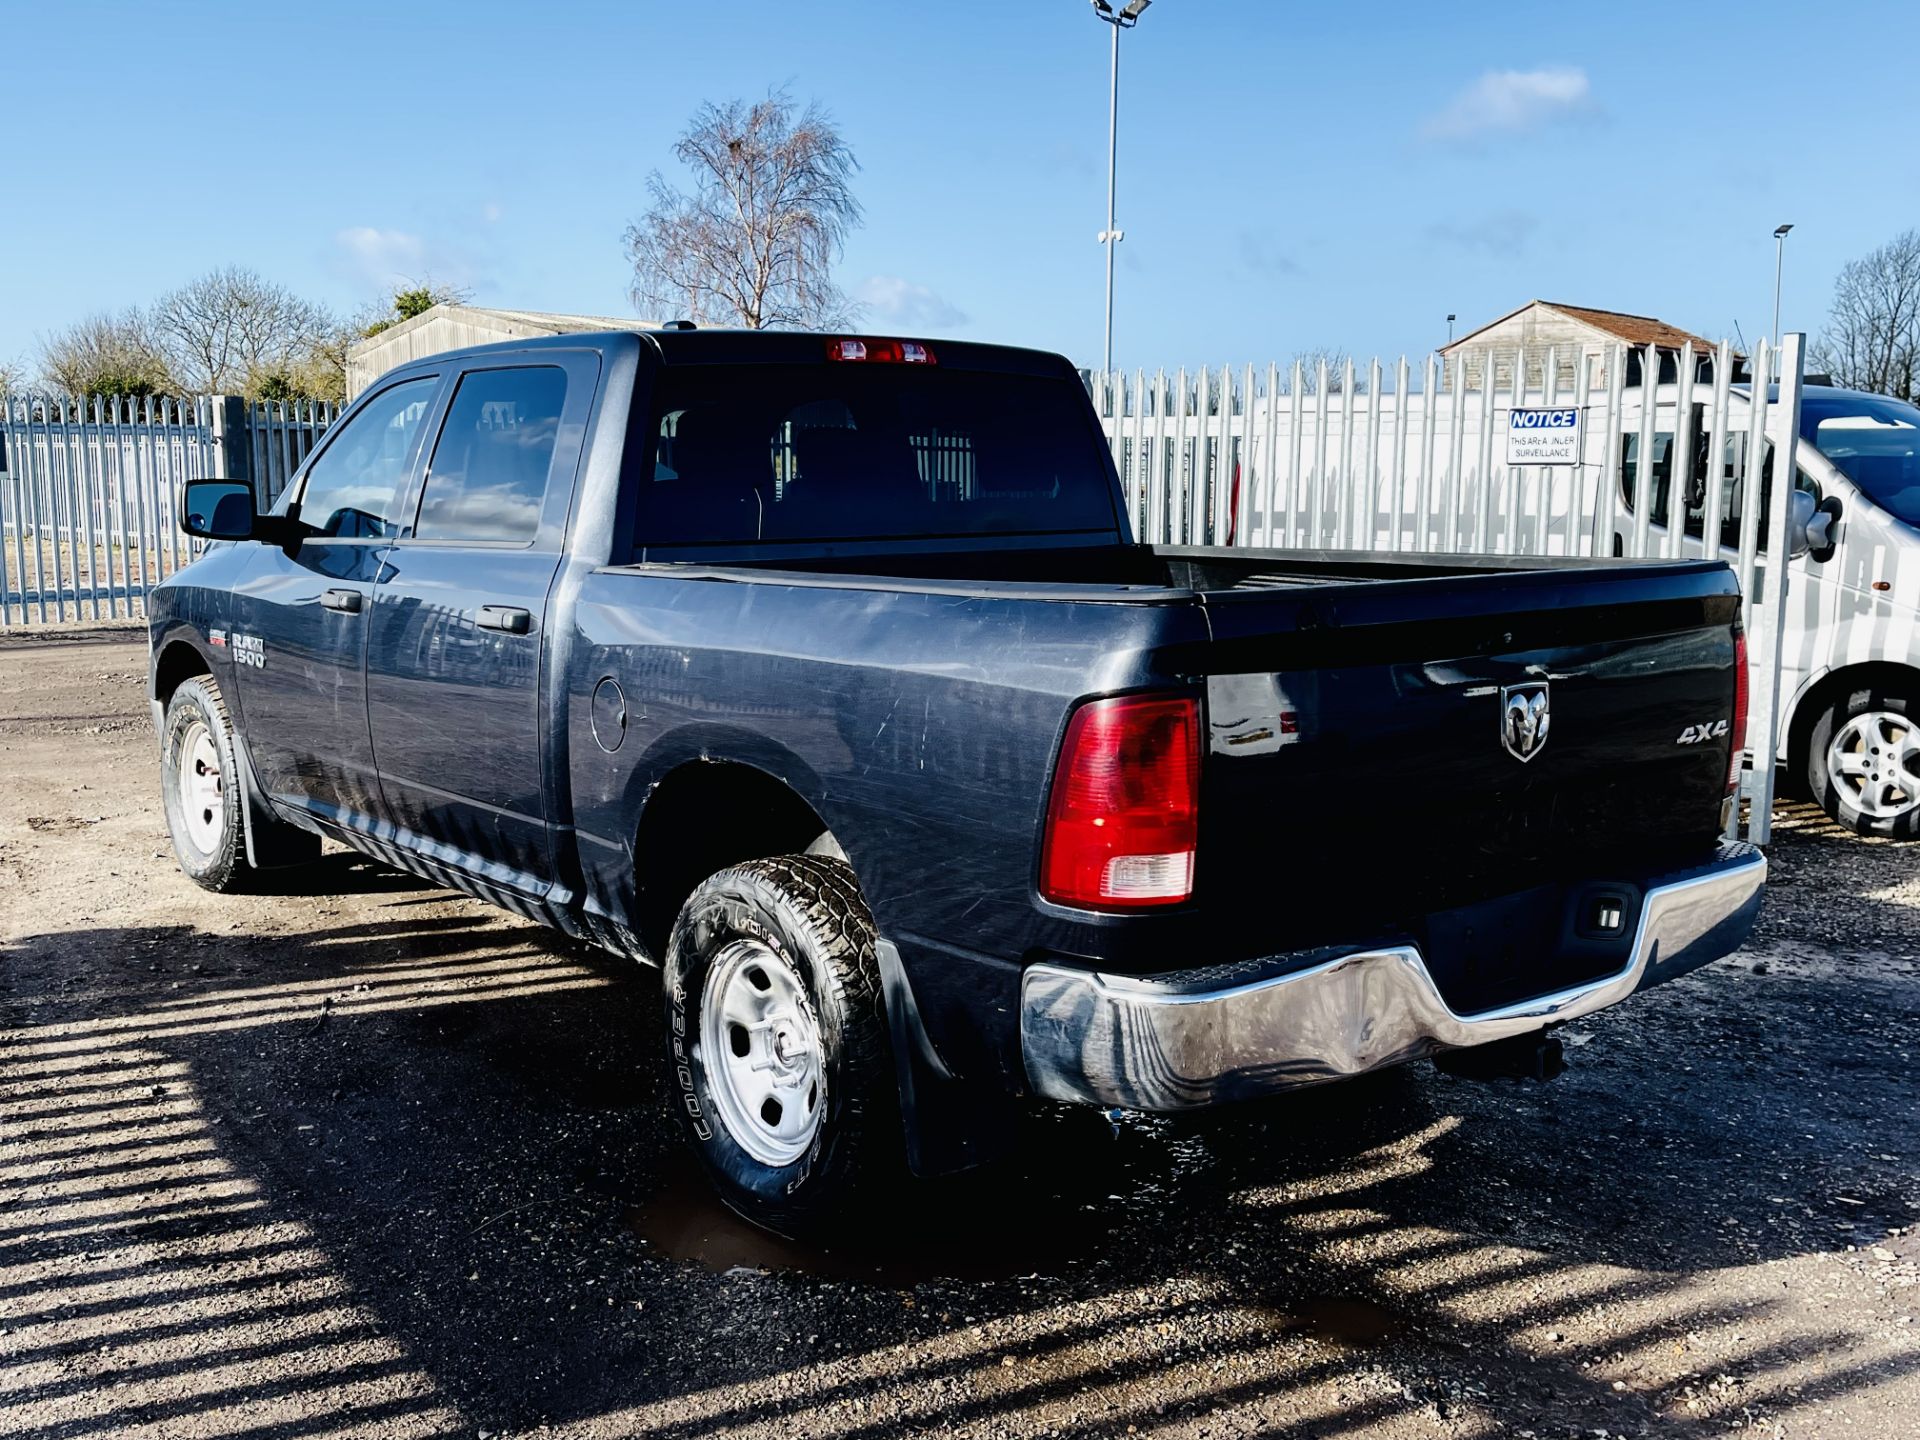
(418, 1177)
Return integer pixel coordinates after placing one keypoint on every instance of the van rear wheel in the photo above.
(1863, 762)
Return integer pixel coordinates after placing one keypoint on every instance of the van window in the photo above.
(1874, 441)
(1732, 490)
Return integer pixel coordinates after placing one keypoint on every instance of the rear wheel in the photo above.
(200, 787)
(778, 1048)
(1863, 762)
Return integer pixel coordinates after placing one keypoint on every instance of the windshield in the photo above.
(798, 455)
(1872, 440)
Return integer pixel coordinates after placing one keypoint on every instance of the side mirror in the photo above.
(1801, 512)
(1823, 531)
(218, 510)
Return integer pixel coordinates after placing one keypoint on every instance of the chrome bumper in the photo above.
(1181, 1040)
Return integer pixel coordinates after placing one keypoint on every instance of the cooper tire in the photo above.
(1862, 755)
(772, 962)
(199, 785)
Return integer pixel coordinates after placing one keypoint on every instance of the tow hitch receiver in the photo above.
(1535, 1056)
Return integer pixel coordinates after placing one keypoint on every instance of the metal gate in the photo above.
(1413, 460)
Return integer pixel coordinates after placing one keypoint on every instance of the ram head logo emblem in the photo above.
(1524, 716)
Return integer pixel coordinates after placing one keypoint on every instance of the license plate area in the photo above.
(1530, 943)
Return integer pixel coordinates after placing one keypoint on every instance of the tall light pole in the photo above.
(1450, 320)
(1779, 256)
(1124, 18)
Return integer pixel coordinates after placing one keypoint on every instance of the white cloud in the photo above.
(1512, 102)
(908, 306)
(383, 257)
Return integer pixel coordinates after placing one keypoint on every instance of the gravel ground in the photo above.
(364, 1158)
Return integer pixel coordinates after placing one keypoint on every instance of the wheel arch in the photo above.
(1813, 701)
(705, 814)
(180, 657)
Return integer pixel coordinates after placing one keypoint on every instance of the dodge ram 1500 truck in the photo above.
(824, 673)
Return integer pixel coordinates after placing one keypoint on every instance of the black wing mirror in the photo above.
(219, 510)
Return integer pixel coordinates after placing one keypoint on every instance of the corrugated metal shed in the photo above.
(453, 327)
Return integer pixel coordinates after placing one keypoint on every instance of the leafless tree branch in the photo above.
(1872, 336)
(754, 241)
(106, 355)
(222, 330)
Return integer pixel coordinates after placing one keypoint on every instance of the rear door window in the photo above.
(809, 454)
(488, 476)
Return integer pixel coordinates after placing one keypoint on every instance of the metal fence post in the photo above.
(1783, 418)
(231, 448)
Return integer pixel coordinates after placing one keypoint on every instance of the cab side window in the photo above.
(353, 490)
(1736, 500)
(1660, 481)
(1701, 475)
(488, 476)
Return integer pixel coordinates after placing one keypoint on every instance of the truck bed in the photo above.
(1137, 568)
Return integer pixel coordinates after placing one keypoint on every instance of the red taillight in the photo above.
(1124, 817)
(885, 352)
(1738, 736)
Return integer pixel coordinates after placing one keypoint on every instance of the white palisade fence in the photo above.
(1411, 459)
(90, 488)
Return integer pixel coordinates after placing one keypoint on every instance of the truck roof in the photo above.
(766, 347)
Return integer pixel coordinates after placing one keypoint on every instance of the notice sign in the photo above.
(1543, 437)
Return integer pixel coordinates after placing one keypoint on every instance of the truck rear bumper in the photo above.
(1186, 1039)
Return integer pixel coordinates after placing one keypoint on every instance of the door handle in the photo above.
(510, 618)
(348, 600)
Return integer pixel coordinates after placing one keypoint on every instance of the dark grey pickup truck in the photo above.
(824, 673)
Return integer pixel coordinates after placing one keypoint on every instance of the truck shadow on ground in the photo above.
(414, 1175)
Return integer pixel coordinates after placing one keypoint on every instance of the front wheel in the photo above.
(778, 1050)
(1863, 762)
(200, 787)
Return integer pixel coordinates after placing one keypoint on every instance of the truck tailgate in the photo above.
(1356, 746)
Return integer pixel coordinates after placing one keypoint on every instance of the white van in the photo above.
(1850, 666)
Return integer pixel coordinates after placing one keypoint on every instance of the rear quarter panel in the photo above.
(921, 727)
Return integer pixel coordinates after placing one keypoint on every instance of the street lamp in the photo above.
(1450, 320)
(1124, 18)
(1779, 255)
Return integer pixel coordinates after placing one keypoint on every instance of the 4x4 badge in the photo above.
(1524, 717)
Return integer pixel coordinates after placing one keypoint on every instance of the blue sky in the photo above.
(1291, 176)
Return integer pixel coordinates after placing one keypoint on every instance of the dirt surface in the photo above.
(364, 1158)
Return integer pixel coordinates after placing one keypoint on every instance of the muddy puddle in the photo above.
(1075, 1178)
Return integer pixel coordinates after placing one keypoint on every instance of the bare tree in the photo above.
(1309, 361)
(1872, 337)
(106, 355)
(222, 330)
(14, 376)
(754, 241)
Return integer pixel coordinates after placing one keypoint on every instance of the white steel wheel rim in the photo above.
(760, 1046)
(1874, 762)
(202, 795)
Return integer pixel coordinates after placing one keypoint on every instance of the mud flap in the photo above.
(272, 843)
(950, 1125)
